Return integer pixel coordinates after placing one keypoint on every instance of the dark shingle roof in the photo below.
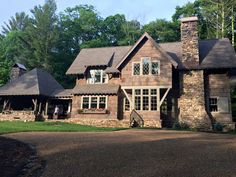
(213, 54)
(62, 93)
(97, 57)
(34, 82)
(93, 89)
(110, 70)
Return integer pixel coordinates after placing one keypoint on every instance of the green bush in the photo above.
(180, 126)
(218, 127)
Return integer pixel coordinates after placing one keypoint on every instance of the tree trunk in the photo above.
(232, 21)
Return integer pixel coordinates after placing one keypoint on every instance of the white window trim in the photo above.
(218, 110)
(90, 96)
(102, 72)
(159, 67)
(149, 97)
(136, 62)
(150, 67)
(213, 97)
(124, 105)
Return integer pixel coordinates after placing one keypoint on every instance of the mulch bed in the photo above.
(18, 159)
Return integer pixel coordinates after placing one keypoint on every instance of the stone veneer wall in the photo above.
(16, 72)
(21, 115)
(189, 39)
(192, 100)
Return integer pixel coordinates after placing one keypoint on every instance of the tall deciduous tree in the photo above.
(163, 31)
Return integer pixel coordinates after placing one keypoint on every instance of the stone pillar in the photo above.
(192, 100)
(189, 39)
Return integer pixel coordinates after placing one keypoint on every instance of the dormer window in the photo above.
(146, 67)
(97, 76)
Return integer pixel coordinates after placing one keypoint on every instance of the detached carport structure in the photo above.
(28, 95)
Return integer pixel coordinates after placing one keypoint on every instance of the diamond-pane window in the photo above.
(155, 68)
(146, 66)
(136, 69)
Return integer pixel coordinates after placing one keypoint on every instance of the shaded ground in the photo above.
(135, 153)
(18, 159)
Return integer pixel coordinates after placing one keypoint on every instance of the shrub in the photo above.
(180, 126)
(218, 127)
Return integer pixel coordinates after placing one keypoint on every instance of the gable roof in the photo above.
(143, 37)
(106, 56)
(213, 54)
(35, 82)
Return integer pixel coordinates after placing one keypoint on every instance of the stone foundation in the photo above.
(21, 115)
(113, 123)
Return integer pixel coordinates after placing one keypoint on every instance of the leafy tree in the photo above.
(163, 31)
(4, 64)
(193, 9)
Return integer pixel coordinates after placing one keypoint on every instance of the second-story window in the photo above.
(96, 76)
(146, 67)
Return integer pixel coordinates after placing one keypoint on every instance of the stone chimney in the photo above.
(17, 71)
(189, 39)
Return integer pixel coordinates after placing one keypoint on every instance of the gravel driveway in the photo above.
(135, 153)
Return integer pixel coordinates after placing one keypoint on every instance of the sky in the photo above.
(141, 10)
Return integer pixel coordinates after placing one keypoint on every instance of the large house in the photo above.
(162, 83)
(183, 81)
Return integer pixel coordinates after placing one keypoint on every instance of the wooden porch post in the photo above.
(35, 104)
(5, 104)
(40, 107)
(46, 108)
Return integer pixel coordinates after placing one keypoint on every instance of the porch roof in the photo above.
(35, 82)
(96, 89)
(62, 93)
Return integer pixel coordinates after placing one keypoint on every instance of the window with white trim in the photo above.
(219, 104)
(146, 67)
(126, 104)
(97, 76)
(94, 102)
(145, 99)
(213, 104)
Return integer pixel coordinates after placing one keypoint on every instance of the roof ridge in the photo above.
(106, 47)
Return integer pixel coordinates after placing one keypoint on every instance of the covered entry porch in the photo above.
(23, 107)
(150, 102)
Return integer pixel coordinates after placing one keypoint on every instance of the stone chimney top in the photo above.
(189, 19)
(189, 39)
(17, 71)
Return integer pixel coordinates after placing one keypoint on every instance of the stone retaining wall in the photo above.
(22, 116)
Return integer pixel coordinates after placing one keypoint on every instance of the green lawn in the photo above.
(18, 126)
